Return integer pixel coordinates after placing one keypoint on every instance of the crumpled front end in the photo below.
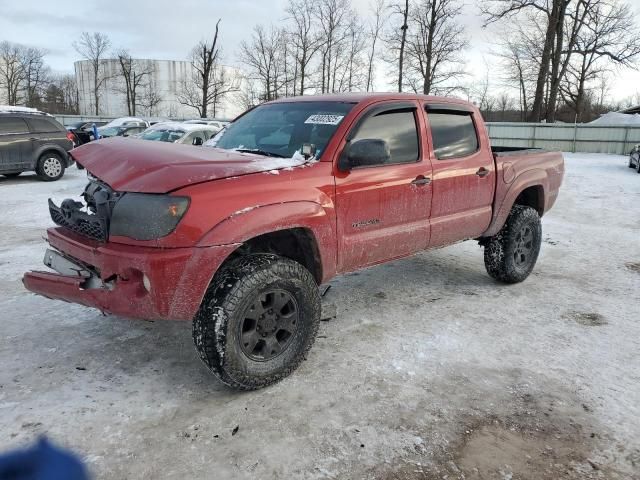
(127, 280)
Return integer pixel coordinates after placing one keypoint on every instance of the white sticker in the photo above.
(325, 119)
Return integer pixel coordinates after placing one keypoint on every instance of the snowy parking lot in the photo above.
(430, 369)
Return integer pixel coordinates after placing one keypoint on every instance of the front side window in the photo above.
(281, 129)
(454, 134)
(398, 129)
(12, 125)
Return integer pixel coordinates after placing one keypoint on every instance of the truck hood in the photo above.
(144, 166)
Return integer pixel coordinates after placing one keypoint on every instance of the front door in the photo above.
(463, 175)
(14, 144)
(383, 209)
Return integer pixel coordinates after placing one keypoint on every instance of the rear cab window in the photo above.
(12, 125)
(453, 132)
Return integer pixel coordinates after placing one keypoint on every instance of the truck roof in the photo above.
(372, 96)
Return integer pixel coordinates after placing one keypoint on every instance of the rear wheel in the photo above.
(510, 256)
(257, 321)
(50, 167)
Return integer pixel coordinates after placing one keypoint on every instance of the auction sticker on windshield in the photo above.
(324, 119)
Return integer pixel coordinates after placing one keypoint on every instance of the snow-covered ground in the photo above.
(430, 370)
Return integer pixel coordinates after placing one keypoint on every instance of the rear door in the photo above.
(383, 210)
(44, 131)
(14, 144)
(463, 174)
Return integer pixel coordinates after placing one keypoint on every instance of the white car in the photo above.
(127, 122)
(173, 132)
(218, 124)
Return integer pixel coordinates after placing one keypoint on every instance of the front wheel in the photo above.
(50, 167)
(510, 256)
(258, 320)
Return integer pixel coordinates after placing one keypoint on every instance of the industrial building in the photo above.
(158, 95)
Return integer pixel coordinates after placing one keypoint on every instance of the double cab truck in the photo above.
(238, 237)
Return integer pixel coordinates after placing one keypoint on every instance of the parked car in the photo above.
(189, 134)
(128, 122)
(83, 131)
(120, 131)
(217, 124)
(33, 140)
(238, 238)
(634, 158)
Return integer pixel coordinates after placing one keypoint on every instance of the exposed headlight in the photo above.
(147, 216)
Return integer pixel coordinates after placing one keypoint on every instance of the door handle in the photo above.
(32, 139)
(421, 180)
(483, 172)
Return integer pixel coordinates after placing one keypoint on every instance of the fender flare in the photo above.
(244, 225)
(531, 178)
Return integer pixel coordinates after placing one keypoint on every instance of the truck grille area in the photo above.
(91, 219)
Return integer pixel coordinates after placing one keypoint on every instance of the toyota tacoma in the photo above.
(238, 237)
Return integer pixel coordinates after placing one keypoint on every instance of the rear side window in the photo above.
(398, 129)
(454, 134)
(43, 125)
(12, 125)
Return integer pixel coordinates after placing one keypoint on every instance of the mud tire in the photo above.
(502, 253)
(217, 326)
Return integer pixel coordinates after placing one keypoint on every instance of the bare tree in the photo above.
(94, 47)
(199, 92)
(262, 56)
(505, 103)
(36, 75)
(303, 37)
(248, 95)
(551, 14)
(434, 45)
(151, 99)
(375, 29)
(396, 40)
(333, 17)
(608, 39)
(12, 74)
(519, 55)
(135, 75)
(60, 95)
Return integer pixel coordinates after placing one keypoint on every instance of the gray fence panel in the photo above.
(617, 139)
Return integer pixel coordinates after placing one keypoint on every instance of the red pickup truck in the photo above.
(238, 238)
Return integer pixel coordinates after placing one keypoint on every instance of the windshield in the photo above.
(280, 129)
(109, 131)
(162, 135)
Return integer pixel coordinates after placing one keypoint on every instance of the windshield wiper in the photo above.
(259, 152)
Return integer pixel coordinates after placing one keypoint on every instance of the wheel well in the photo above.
(532, 197)
(298, 244)
(45, 151)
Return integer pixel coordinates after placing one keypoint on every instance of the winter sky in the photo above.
(167, 29)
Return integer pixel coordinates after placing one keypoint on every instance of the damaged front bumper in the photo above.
(127, 280)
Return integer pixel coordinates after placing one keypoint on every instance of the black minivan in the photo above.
(32, 140)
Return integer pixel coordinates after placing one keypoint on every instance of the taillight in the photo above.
(71, 136)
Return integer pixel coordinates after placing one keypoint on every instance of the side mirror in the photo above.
(364, 153)
(197, 141)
